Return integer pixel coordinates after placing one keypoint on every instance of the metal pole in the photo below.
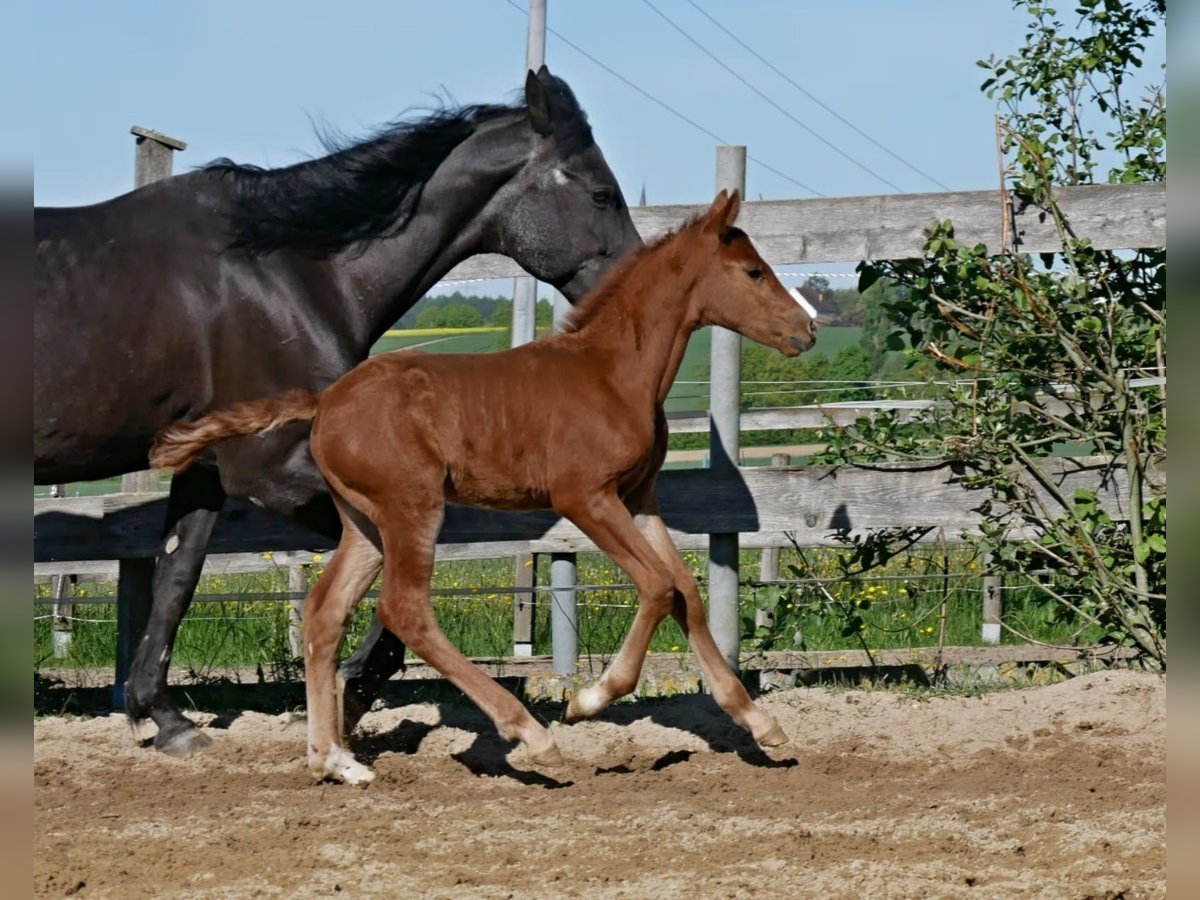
(564, 616)
(564, 575)
(535, 40)
(524, 311)
(724, 444)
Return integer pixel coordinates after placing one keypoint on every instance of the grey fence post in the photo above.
(564, 614)
(152, 161)
(724, 444)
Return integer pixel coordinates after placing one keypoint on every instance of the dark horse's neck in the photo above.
(387, 218)
(449, 224)
(641, 317)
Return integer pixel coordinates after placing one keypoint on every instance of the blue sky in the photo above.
(247, 79)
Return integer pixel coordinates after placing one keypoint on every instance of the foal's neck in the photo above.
(643, 324)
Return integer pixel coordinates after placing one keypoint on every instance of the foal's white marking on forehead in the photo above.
(803, 301)
(560, 177)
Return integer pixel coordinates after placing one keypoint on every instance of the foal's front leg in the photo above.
(682, 601)
(688, 610)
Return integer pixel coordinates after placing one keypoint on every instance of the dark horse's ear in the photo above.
(723, 212)
(537, 100)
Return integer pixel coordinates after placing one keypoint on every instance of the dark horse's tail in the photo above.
(177, 447)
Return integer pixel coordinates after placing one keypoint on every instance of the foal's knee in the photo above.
(658, 595)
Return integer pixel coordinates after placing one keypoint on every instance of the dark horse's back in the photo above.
(129, 297)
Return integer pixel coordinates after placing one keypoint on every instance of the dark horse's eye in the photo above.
(755, 273)
(602, 197)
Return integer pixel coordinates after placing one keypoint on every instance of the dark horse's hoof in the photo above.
(183, 741)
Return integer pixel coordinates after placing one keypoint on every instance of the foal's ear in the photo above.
(537, 100)
(723, 212)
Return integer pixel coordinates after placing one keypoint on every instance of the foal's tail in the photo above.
(177, 447)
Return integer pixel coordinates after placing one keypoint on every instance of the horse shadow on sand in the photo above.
(695, 714)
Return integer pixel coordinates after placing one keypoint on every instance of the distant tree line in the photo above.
(460, 310)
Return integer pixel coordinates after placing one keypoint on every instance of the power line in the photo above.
(669, 109)
(824, 140)
(828, 109)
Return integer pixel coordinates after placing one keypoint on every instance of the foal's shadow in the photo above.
(485, 757)
(696, 714)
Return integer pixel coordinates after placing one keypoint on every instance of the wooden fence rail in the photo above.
(892, 226)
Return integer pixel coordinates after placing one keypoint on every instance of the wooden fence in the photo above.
(761, 507)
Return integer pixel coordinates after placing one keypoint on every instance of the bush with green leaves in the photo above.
(1059, 355)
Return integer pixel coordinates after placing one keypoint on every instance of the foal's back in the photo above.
(498, 430)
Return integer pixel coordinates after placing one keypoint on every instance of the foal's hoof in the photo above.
(182, 742)
(339, 765)
(776, 737)
(550, 757)
(587, 704)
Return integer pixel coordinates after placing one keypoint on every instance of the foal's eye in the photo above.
(755, 273)
(602, 197)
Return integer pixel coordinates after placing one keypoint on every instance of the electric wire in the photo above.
(816, 100)
(816, 134)
(670, 109)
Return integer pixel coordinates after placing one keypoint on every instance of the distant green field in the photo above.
(686, 397)
(459, 343)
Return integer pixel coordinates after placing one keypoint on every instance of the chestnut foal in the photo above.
(574, 422)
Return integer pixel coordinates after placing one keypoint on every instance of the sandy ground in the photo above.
(1056, 791)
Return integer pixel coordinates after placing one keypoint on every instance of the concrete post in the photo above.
(725, 445)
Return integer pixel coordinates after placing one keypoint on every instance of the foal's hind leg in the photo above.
(405, 609)
(327, 612)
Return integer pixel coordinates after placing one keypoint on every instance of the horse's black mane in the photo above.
(367, 189)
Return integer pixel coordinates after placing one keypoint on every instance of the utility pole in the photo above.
(524, 330)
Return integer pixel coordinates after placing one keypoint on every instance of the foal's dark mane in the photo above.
(368, 189)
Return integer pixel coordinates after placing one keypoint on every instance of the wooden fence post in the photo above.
(524, 604)
(768, 568)
(152, 161)
(992, 603)
(297, 588)
(724, 444)
(61, 626)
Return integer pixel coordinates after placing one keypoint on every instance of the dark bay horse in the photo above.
(405, 433)
(233, 282)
